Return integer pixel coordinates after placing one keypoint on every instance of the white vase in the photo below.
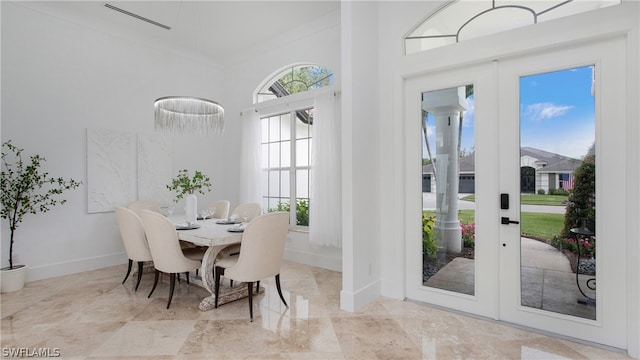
(191, 208)
(12, 280)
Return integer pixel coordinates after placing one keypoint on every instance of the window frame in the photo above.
(277, 107)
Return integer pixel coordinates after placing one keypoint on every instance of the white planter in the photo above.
(12, 280)
(191, 208)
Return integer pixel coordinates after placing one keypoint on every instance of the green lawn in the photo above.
(538, 225)
(533, 199)
(541, 225)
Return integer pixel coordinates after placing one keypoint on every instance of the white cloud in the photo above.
(542, 111)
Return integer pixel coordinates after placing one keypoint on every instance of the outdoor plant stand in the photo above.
(583, 232)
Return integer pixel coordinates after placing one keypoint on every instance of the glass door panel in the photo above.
(561, 118)
(557, 184)
(451, 165)
(448, 159)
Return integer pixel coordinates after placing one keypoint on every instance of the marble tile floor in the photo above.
(90, 315)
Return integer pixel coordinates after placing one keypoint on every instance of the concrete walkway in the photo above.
(547, 281)
(429, 203)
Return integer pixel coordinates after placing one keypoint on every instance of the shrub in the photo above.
(587, 245)
(302, 210)
(562, 192)
(429, 245)
(581, 203)
(468, 234)
(541, 192)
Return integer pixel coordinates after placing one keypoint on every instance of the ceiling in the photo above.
(218, 31)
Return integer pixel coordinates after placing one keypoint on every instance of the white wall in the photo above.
(60, 78)
(361, 194)
(399, 17)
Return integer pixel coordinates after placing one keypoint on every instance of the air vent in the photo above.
(137, 16)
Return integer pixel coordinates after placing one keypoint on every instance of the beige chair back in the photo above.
(222, 209)
(248, 210)
(262, 248)
(164, 244)
(133, 235)
(140, 205)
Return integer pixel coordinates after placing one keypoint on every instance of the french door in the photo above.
(548, 296)
(517, 272)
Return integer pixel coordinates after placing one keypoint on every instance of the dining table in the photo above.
(215, 234)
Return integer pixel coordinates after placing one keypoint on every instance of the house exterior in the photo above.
(540, 170)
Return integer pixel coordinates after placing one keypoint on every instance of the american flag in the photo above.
(566, 181)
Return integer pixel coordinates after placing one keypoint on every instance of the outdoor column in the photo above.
(446, 105)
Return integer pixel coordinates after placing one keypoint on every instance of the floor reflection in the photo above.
(91, 315)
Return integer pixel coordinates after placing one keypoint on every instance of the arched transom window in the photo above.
(293, 80)
(462, 20)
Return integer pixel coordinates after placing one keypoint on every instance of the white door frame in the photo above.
(484, 300)
(608, 57)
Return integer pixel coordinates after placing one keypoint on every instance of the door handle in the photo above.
(506, 221)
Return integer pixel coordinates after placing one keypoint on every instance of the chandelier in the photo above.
(188, 115)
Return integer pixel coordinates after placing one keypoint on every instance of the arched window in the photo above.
(461, 20)
(294, 79)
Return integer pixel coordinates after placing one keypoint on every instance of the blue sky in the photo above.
(556, 113)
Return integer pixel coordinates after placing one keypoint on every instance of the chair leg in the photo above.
(172, 285)
(219, 271)
(230, 283)
(155, 283)
(128, 271)
(187, 273)
(250, 290)
(258, 288)
(280, 290)
(139, 275)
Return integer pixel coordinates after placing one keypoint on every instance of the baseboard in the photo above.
(319, 260)
(75, 266)
(354, 301)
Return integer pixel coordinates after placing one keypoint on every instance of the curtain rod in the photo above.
(287, 100)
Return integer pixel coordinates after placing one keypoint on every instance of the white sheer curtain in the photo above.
(325, 215)
(250, 158)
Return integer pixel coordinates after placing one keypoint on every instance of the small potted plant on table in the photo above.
(183, 185)
(25, 190)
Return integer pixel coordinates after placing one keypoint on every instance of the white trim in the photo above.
(353, 301)
(291, 102)
(75, 266)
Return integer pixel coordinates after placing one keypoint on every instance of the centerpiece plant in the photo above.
(183, 184)
(26, 189)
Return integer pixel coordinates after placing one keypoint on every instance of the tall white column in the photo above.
(446, 105)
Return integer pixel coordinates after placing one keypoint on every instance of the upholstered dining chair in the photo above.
(260, 256)
(222, 209)
(165, 250)
(140, 205)
(248, 211)
(134, 239)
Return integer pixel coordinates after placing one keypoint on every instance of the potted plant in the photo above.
(25, 190)
(183, 185)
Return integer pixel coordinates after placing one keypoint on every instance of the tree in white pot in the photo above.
(27, 190)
